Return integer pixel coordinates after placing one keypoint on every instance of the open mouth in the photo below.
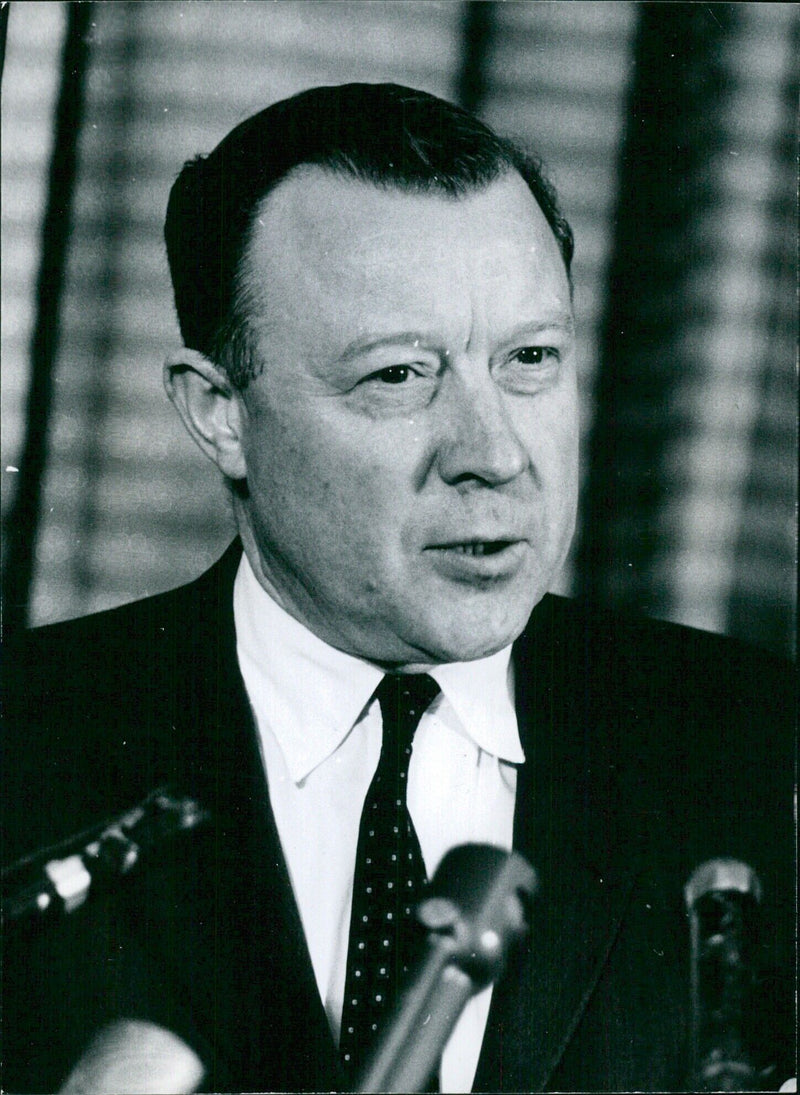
(479, 560)
(478, 548)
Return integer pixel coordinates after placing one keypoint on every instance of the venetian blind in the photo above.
(131, 507)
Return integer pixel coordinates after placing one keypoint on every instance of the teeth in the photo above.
(482, 548)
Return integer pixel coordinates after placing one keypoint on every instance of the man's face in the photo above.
(411, 442)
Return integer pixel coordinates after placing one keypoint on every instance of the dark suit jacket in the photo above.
(649, 749)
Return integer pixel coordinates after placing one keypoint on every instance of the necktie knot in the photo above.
(404, 699)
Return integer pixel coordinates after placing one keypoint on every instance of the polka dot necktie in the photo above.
(389, 875)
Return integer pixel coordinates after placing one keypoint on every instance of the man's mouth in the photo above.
(477, 547)
(479, 560)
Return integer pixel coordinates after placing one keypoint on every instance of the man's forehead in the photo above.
(319, 194)
(384, 240)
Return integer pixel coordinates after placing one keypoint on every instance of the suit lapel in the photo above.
(585, 876)
(539, 1001)
(221, 911)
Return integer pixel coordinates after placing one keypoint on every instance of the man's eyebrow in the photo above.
(559, 321)
(370, 342)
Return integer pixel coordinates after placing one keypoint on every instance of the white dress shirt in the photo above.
(321, 740)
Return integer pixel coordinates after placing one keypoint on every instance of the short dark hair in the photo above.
(383, 134)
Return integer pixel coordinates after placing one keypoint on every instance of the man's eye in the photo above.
(395, 388)
(393, 374)
(535, 355)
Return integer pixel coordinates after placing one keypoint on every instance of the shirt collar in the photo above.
(313, 694)
(482, 695)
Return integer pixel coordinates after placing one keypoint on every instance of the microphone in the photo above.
(475, 908)
(722, 898)
(132, 1057)
(58, 880)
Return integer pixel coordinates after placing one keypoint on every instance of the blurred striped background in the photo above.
(670, 132)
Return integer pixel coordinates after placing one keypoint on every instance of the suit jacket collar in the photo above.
(220, 917)
(586, 868)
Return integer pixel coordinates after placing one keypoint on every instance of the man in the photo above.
(374, 295)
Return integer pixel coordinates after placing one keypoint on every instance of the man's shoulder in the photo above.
(169, 617)
(91, 705)
(640, 656)
(659, 695)
(682, 737)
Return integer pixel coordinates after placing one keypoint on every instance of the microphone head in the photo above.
(722, 876)
(134, 1057)
(479, 898)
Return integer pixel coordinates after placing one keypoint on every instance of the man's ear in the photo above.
(209, 407)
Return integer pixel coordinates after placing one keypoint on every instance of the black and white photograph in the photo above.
(399, 469)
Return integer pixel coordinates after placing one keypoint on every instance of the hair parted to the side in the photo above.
(383, 134)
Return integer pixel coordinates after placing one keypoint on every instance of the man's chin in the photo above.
(466, 637)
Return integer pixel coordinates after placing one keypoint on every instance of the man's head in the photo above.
(383, 134)
(373, 291)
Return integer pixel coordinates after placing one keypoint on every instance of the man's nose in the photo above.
(479, 442)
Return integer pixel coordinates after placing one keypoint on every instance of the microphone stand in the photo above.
(475, 909)
(58, 880)
(722, 899)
